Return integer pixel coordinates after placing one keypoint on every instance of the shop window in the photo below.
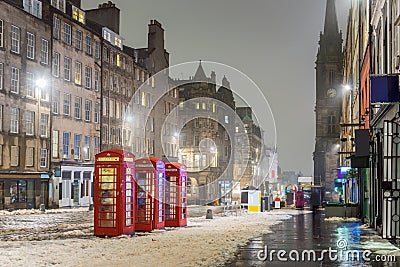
(86, 184)
(66, 184)
(18, 191)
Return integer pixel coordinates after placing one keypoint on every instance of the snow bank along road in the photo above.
(65, 238)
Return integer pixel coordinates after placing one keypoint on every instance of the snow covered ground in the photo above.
(65, 238)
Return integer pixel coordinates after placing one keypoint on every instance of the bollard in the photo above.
(209, 214)
(42, 208)
(90, 207)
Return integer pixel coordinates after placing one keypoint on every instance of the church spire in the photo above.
(331, 27)
(200, 74)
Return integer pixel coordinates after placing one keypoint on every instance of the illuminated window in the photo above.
(119, 61)
(143, 98)
(78, 72)
(78, 15)
(118, 42)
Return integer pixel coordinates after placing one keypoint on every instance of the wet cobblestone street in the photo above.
(311, 232)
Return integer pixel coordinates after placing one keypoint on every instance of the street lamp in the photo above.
(41, 83)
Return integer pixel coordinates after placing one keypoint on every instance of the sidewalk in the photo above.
(312, 232)
(202, 243)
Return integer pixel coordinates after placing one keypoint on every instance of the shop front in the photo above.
(75, 185)
(23, 190)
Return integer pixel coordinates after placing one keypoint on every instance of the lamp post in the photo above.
(41, 84)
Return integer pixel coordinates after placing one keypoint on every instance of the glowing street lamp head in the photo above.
(347, 87)
(41, 83)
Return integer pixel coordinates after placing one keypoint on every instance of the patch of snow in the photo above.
(342, 219)
(202, 243)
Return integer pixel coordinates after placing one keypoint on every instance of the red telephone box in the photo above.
(114, 193)
(175, 194)
(150, 190)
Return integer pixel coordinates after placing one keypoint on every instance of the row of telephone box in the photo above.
(137, 194)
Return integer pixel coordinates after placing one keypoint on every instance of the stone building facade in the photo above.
(25, 47)
(329, 73)
(249, 177)
(76, 87)
(204, 144)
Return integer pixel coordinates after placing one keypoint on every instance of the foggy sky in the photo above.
(274, 42)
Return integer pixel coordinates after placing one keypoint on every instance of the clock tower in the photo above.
(329, 71)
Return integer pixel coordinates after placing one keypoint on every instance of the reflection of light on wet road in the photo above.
(305, 232)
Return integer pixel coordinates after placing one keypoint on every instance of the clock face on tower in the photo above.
(331, 92)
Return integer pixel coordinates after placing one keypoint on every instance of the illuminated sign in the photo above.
(128, 159)
(144, 165)
(306, 180)
(172, 170)
(342, 171)
(113, 159)
(160, 165)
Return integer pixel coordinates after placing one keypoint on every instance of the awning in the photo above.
(44, 176)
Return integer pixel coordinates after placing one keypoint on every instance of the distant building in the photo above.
(204, 144)
(329, 72)
(250, 175)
